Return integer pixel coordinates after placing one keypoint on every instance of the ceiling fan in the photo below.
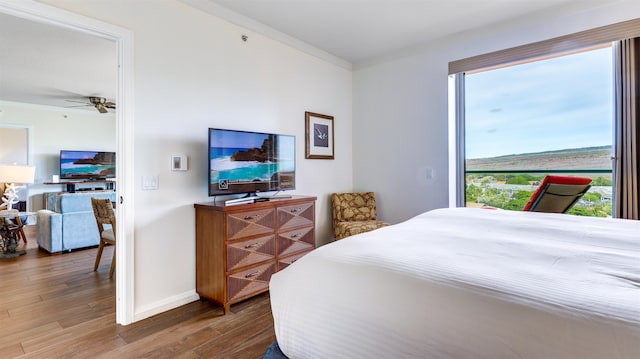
(100, 103)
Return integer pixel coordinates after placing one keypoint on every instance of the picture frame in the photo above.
(319, 136)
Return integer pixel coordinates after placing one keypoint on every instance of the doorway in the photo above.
(124, 125)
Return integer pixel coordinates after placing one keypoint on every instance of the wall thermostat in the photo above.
(178, 163)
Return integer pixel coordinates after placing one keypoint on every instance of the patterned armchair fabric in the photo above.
(354, 213)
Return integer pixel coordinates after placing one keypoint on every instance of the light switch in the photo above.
(429, 173)
(149, 183)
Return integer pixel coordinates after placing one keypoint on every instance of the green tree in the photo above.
(522, 195)
(602, 181)
(516, 204)
(592, 197)
(473, 192)
(581, 211)
(607, 209)
(518, 180)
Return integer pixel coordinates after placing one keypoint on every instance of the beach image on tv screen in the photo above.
(87, 164)
(245, 157)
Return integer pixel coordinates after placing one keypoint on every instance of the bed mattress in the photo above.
(472, 283)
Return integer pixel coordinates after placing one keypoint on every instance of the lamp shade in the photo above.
(17, 174)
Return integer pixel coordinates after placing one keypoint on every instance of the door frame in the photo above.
(123, 38)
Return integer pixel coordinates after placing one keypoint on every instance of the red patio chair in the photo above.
(556, 194)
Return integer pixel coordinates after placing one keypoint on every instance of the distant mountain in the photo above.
(574, 158)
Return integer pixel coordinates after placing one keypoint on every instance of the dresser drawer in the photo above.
(298, 240)
(248, 282)
(287, 261)
(250, 251)
(294, 216)
(250, 223)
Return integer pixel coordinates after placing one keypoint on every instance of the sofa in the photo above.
(69, 223)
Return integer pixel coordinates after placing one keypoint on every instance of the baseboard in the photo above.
(165, 305)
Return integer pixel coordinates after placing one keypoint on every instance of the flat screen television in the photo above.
(87, 165)
(250, 162)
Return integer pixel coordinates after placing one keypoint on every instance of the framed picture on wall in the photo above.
(318, 136)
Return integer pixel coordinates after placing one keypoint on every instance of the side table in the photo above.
(10, 231)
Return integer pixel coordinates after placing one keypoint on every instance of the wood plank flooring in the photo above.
(58, 307)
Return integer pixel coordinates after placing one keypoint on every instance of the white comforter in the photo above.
(467, 283)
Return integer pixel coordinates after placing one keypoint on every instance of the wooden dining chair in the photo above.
(106, 220)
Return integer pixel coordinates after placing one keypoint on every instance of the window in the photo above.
(625, 37)
(524, 121)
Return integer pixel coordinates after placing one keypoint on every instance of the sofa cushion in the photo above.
(80, 202)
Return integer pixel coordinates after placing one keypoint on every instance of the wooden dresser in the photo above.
(239, 247)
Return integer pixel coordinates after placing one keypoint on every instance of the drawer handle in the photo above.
(251, 275)
(295, 210)
(296, 235)
(254, 245)
(252, 217)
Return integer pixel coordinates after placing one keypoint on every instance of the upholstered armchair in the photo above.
(354, 213)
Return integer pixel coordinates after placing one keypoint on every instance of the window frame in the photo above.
(529, 52)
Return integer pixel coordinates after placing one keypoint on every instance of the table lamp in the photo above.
(12, 175)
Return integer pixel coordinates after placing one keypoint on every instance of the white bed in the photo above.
(467, 283)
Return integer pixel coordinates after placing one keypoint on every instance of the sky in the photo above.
(554, 104)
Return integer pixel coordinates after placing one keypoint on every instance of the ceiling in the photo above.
(360, 30)
(50, 65)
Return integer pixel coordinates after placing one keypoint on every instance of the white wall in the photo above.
(192, 72)
(400, 107)
(54, 129)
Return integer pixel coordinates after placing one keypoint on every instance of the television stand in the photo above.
(263, 238)
(71, 185)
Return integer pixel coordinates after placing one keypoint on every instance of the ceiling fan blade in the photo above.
(79, 106)
(101, 108)
(84, 102)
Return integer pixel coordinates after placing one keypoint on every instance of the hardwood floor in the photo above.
(57, 307)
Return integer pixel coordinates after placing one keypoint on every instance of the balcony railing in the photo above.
(542, 171)
(512, 189)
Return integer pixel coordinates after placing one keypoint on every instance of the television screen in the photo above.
(249, 162)
(83, 165)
